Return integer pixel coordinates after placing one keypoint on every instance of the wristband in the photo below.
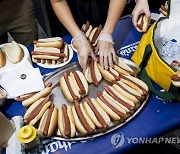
(80, 35)
(105, 37)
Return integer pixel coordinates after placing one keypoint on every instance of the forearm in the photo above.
(65, 16)
(142, 1)
(115, 10)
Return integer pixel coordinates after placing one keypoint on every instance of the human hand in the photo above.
(106, 51)
(84, 50)
(141, 7)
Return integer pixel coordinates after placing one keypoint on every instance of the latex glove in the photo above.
(84, 50)
(141, 7)
(106, 50)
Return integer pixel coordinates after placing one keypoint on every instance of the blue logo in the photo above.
(117, 140)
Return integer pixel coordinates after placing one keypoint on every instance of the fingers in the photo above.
(110, 59)
(84, 63)
(107, 54)
(96, 50)
(93, 56)
(148, 14)
(134, 18)
(105, 58)
(101, 60)
(114, 57)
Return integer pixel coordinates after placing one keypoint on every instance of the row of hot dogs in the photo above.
(92, 34)
(75, 85)
(50, 50)
(113, 104)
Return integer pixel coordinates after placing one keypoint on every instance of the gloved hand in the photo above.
(84, 50)
(141, 7)
(106, 50)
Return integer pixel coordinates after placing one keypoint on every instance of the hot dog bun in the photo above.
(93, 38)
(47, 53)
(92, 73)
(13, 52)
(2, 58)
(122, 68)
(48, 121)
(66, 53)
(68, 88)
(136, 84)
(87, 28)
(37, 96)
(36, 110)
(56, 42)
(111, 108)
(164, 9)
(92, 33)
(110, 74)
(96, 113)
(119, 99)
(80, 82)
(66, 122)
(142, 23)
(83, 123)
(50, 55)
(127, 91)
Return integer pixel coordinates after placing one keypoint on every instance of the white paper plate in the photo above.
(73, 47)
(58, 65)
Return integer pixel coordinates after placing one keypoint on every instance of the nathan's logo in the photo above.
(57, 146)
(127, 50)
(117, 140)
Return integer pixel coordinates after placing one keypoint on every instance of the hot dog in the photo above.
(50, 55)
(94, 35)
(176, 79)
(122, 68)
(66, 122)
(45, 92)
(83, 123)
(36, 110)
(96, 113)
(112, 109)
(2, 58)
(68, 88)
(87, 28)
(92, 73)
(80, 82)
(119, 99)
(110, 74)
(56, 42)
(164, 9)
(142, 23)
(46, 55)
(48, 121)
(135, 83)
(127, 91)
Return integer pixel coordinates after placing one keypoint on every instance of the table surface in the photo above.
(156, 117)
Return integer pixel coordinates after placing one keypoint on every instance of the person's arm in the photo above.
(115, 10)
(141, 7)
(65, 16)
(106, 49)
